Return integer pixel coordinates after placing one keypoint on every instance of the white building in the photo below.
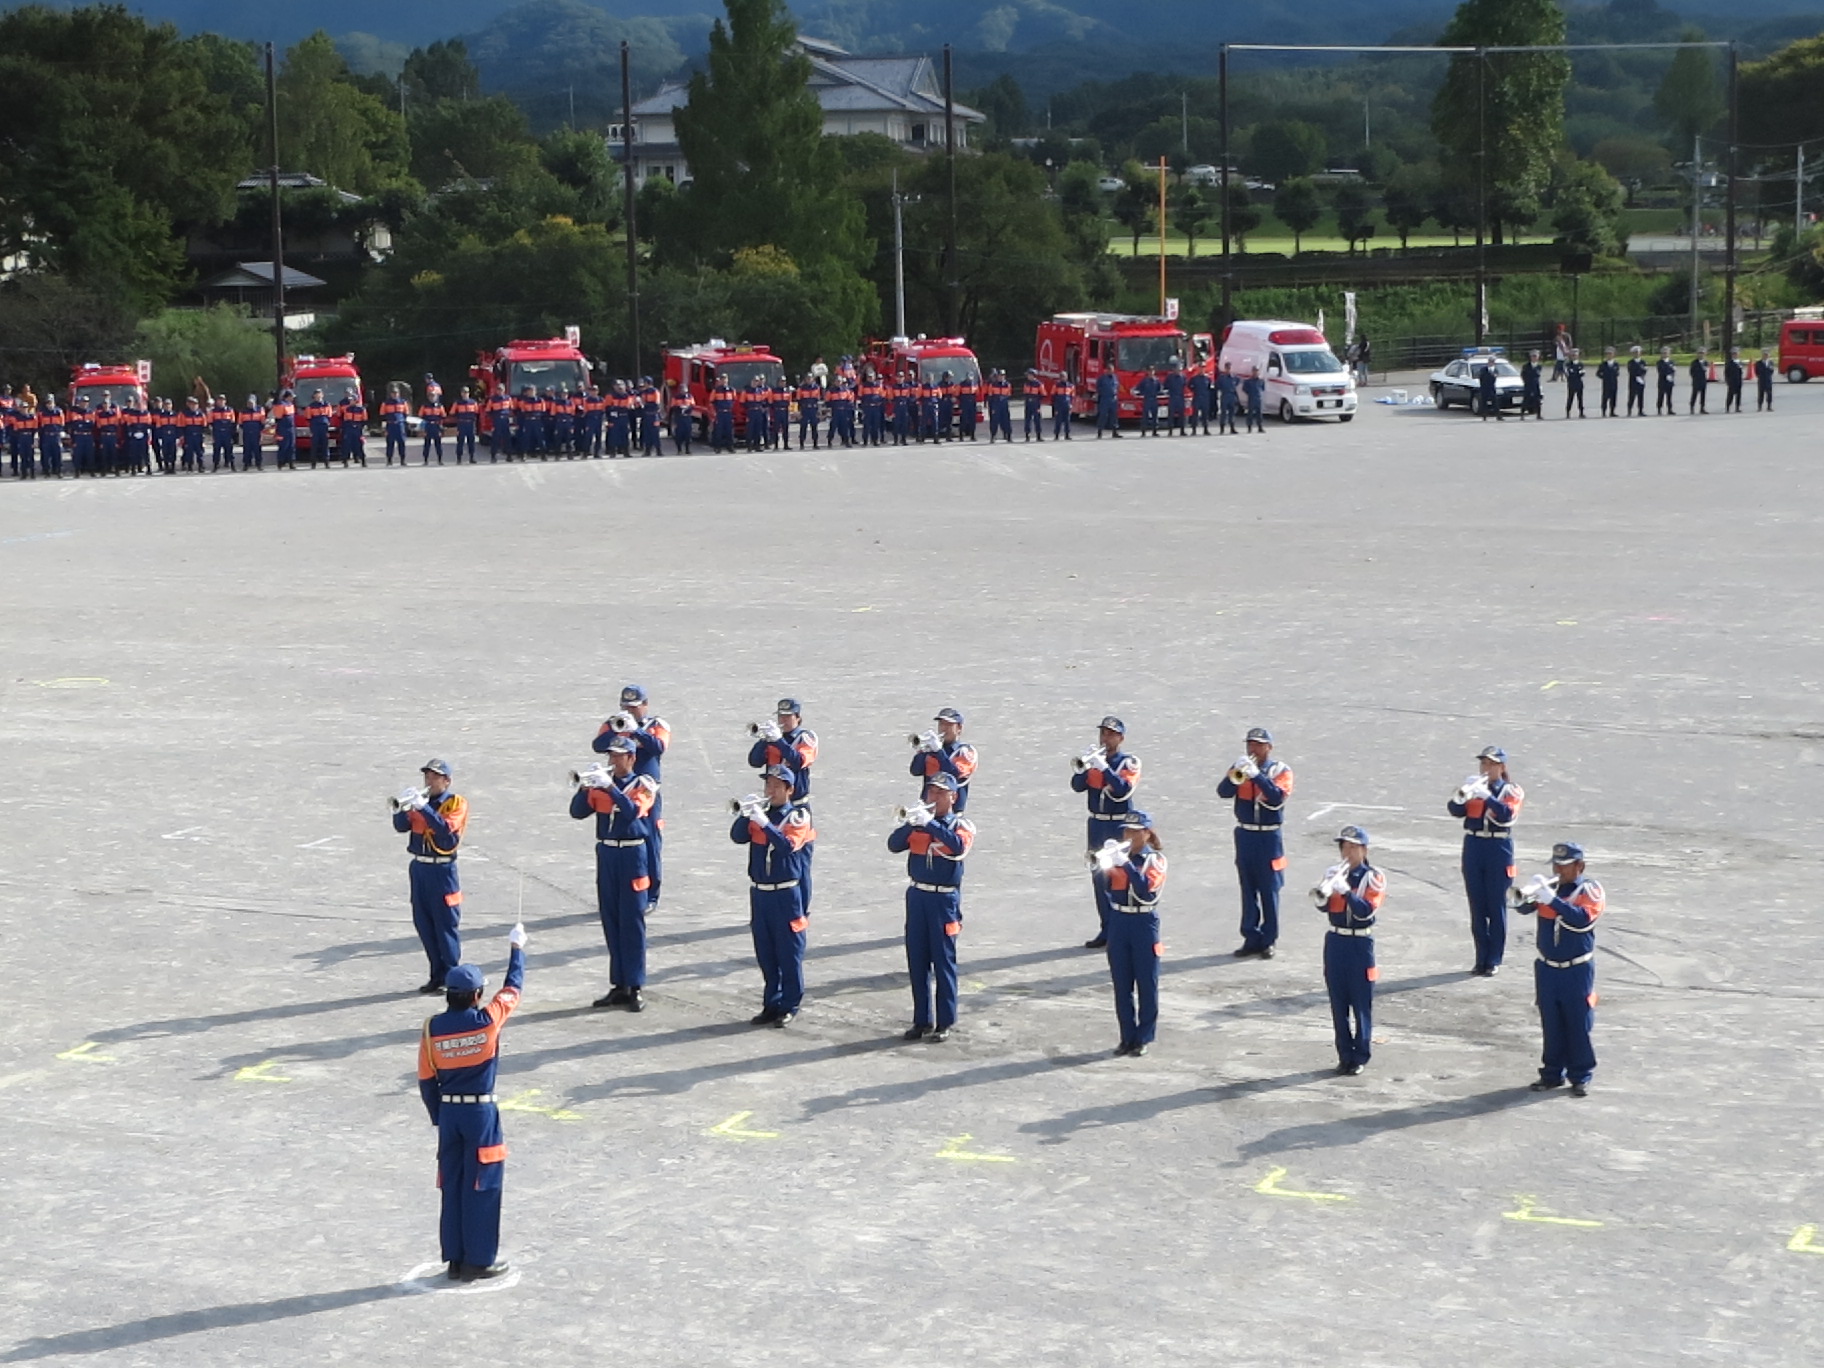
(898, 97)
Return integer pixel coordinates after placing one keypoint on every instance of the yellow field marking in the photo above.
(260, 1073)
(732, 1129)
(1549, 684)
(1269, 1187)
(85, 1054)
(1529, 1207)
(522, 1102)
(1803, 1241)
(953, 1149)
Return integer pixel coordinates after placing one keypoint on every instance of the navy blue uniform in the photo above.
(651, 739)
(1109, 792)
(1349, 967)
(1131, 891)
(776, 864)
(623, 829)
(1260, 855)
(934, 911)
(1488, 864)
(1564, 979)
(436, 833)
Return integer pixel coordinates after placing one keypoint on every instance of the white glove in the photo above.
(1111, 854)
(622, 722)
(1097, 760)
(418, 803)
(517, 936)
(769, 731)
(929, 742)
(1247, 768)
(754, 812)
(1538, 888)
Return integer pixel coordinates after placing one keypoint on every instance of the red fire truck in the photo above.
(927, 357)
(336, 376)
(1084, 345)
(90, 381)
(555, 363)
(703, 365)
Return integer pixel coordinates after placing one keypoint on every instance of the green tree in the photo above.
(220, 345)
(1190, 212)
(1136, 206)
(579, 162)
(1586, 209)
(762, 171)
(1689, 101)
(469, 139)
(50, 324)
(1453, 205)
(1782, 98)
(441, 71)
(1244, 214)
(1286, 149)
(1354, 213)
(1004, 103)
(1085, 212)
(333, 130)
(1298, 206)
(1407, 200)
(1516, 98)
(1636, 162)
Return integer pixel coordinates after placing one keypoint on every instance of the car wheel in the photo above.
(1797, 375)
(1437, 395)
(1285, 410)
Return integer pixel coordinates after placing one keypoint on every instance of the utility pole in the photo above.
(899, 256)
(1729, 171)
(1162, 237)
(1222, 114)
(1184, 121)
(953, 310)
(278, 241)
(1697, 203)
(1798, 195)
(1481, 196)
(633, 237)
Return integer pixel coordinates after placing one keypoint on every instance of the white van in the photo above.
(1304, 378)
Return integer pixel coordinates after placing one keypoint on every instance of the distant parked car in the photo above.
(1111, 185)
(1461, 381)
(1202, 174)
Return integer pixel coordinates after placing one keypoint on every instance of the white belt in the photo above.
(1570, 963)
(621, 843)
(468, 1097)
(1108, 816)
(1249, 826)
(1492, 835)
(435, 859)
(1136, 909)
(937, 888)
(1352, 930)
(774, 888)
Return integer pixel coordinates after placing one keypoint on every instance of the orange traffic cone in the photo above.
(1713, 371)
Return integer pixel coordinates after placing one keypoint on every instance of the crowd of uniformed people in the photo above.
(1127, 867)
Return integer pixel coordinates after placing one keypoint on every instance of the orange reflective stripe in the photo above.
(641, 884)
(1279, 862)
(1510, 871)
(1593, 999)
(453, 899)
(952, 928)
(1158, 949)
(491, 1154)
(799, 923)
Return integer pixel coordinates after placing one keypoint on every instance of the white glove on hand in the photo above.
(517, 936)
(1247, 768)
(929, 742)
(1538, 888)
(622, 722)
(418, 803)
(769, 731)
(754, 812)
(1111, 854)
(1097, 761)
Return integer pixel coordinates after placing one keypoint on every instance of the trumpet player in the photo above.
(1107, 777)
(935, 839)
(622, 803)
(1259, 786)
(943, 751)
(436, 818)
(1488, 802)
(778, 834)
(1350, 895)
(651, 738)
(787, 741)
(1129, 874)
(1564, 977)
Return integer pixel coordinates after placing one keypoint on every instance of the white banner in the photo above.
(1349, 319)
(573, 335)
(1171, 308)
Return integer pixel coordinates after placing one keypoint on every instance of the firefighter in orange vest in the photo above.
(317, 414)
(810, 405)
(221, 424)
(393, 410)
(431, 414)
(500, 426)
(352, 420)
(435, 819)
(1000, 407)
(467, 415)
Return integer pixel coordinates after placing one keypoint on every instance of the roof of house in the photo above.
(846, 83)
(257, 275)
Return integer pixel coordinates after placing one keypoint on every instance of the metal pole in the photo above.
(1697, 205)
(953, 292)
(1184, 121)
(1222, 100)
(1162, 237)
(1481, 196)
(899, 260)
(278, 241)
(1729, 169)
(633, 238)
(1798, 194)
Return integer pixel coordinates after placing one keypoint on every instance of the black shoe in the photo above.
(1342, 1068)
(614, 997)
(916, 1032)
(1095, 944)
(432, 987)
(1354, 1069)
(784, 1019)
(1136, 1051)
(1490, 970)
(1266, 952)
(1580, 1090)
(939, 1036)
(767, 1015)
(636, 1001)
(1122, 1049)
(476, 1273)
(455, 1273)
(1247, 952)
(1546, 1085)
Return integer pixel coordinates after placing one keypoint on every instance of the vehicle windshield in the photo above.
(741, 373)
(337, 389)
(120, 394)
(546, 375)
(963, 371)
(1502, 368)
(1144, 353)
(1316, 362)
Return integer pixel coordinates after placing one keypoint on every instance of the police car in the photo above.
(1461, 381)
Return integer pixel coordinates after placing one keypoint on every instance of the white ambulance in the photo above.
(1304, 379)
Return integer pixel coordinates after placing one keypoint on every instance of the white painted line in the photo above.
(183, 835)
(1354, 807)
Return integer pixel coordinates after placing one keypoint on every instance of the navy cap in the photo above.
(1355, 835)
(778, 772)
(436, 767)
(464, 978)
(940, 780)
(632, 693)
(948, 715)
(790, 705)
(1112, 723)
(1137, 818)
(1259, 734)
(622, 745)
(1567, 852)
(1494, 753)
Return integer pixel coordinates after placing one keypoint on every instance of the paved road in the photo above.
(211, 685)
